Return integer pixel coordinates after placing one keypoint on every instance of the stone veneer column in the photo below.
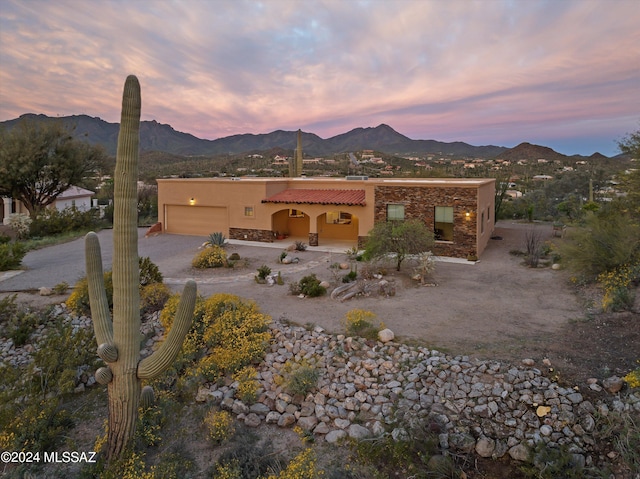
(313, 239)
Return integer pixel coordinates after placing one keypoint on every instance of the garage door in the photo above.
(196, 220)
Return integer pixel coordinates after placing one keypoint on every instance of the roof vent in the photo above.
(356, 177)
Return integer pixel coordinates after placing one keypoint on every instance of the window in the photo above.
(482, 223)
(443, 224)
(395, 212)
(248, 211)
(295, 214)
(338, 217)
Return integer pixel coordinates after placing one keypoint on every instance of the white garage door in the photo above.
(196, 220)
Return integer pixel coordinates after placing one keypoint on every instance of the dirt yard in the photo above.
(496, 308)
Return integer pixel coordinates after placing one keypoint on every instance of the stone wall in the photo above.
(420, 202)
(246, 234)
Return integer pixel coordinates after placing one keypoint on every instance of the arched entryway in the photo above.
(290, 222)
(337, 225)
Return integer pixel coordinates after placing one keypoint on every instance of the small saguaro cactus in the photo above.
(118, 338)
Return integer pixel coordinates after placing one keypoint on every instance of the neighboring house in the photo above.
(74, 196)
(459, 211)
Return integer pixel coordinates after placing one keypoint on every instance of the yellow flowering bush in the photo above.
(227, 334)
(248, 384)
(229, 470)
(210, 257)
(615, 284)
(360, 322)
(220, 425)
(633, 378)
(303, 466)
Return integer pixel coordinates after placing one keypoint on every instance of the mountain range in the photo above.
(156, 136)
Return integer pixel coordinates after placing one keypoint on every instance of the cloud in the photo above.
(484, 71)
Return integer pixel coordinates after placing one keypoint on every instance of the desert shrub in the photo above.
(360, 322)
(533, 246)
(247, 457)
(8, 310)
(617, 295)
(51, 221)
(609, 240)
(300, 246)
(20, 223)
(61, 288)
(216, 239)
(149, 271)
(263, 272)
(234, 257)
(78, 301)
(32, 413)
(349, 277)
(4, 238)
(11, 255)
(304, 464)
(227, 334)
(300, 377)
(153, 297)
(220, 426)
(248, 384)
(213, 257)
(310, 286)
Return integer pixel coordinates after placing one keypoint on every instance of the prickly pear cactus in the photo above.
(118, 338)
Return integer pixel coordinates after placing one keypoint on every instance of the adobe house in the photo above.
(458, 210)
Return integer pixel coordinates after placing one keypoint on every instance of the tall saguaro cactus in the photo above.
(119, 337)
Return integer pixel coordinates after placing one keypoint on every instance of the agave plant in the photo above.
(216, 239)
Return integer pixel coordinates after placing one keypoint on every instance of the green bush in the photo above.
(149, 272)
(11, 255)
(300, 377)
(310, 286)
(51, 222)
(78, 301)
(210, 257)
(263, 272)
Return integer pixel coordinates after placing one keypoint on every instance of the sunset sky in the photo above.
(564, 74)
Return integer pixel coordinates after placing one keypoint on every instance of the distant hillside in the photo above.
(156, 136)
(527, 151)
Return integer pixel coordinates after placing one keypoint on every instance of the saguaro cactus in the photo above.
(119, 338)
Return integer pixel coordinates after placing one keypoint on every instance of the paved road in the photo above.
(65, 262)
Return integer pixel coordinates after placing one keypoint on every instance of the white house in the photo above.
(74, 196)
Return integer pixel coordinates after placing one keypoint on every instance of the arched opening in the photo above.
(338, 225)
(290, 222)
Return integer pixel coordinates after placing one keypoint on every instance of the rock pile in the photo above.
(368, 387)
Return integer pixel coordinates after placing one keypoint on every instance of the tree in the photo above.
(119, 339)
(630, 182)
(400, 238)
(39, 160)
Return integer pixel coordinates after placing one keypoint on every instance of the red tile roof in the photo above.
(322, 197)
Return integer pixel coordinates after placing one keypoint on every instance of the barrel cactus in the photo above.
(118, 337)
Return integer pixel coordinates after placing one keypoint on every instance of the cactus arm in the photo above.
(100, 314)
(161, 359)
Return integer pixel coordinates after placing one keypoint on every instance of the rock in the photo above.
(439, 463)
(308, 422)
(528, 362)
(273, 417)
(286, 260)
(321, 428)
(286, 419)
(542, 411)
(546, 430)
(462, 442)
(613, 384)
(79, 388)
(386, 335)
(556, 266)
(356, 431)
(485, 446)
(252, 420)
(44, 291)
(334, 436)
(519, 452)
(344, 266)
(325, 284)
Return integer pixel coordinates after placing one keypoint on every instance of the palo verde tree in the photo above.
(399, 238)
(39, 160)
(118, 338)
